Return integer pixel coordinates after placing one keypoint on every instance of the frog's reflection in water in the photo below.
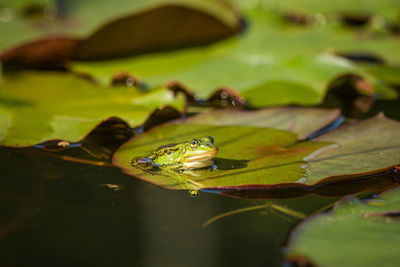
(186, 178)
(218, 164)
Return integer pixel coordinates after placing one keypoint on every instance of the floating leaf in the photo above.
(168, 32)
(262, 64)
(38, 106)
(256, 159)
(369, 230)
(104, 22)
(386, 8)
(247, 155)
(361, 147)
(390, 74)
(302, 121)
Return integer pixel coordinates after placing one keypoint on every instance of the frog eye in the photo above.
(194, 143)
(208, 139)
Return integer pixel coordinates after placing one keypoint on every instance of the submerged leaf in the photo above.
(37, 106)
(369, 230)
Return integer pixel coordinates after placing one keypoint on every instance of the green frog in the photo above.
(194, 154)
(179, 161)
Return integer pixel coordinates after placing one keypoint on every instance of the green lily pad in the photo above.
(367, 230)
(83, 18)
(299, 120)
(15, 29)
(262, 158)
(389, 74)
(262, 64)
(212, 19)
(247, 155)
(94, 14)
(386, 8)
(40, 106)
(41, 41)
(363, 146)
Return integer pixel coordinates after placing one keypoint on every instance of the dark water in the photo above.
(55, 213)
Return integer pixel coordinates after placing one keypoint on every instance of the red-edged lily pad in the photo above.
(260, 159)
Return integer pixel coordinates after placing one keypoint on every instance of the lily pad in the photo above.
(40, 106)
(299, 120)
(247, 155)
(212, 19)
(389, 74)
(386, 8)
(80, 27)
(362, 146)
(261, 158)
(369, 230)
(262, 64)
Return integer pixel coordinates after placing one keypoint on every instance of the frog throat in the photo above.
(199, 160)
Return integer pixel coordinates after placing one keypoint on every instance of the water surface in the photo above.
(59, 213)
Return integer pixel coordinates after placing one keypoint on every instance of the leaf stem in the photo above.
(285, 210)
(232, 212)
(78, 160)
(270, 205)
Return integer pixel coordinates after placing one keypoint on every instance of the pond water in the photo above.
(59, 213)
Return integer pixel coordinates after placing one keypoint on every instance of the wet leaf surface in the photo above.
(264, 159)
(369, 230)
(40, 106)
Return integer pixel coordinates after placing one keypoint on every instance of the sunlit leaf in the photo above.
(302, 121)
(360, 147)
(367, 230)
(38, 106)
(247, 155)
(254, 157)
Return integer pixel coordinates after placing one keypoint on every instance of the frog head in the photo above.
(198, 153)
